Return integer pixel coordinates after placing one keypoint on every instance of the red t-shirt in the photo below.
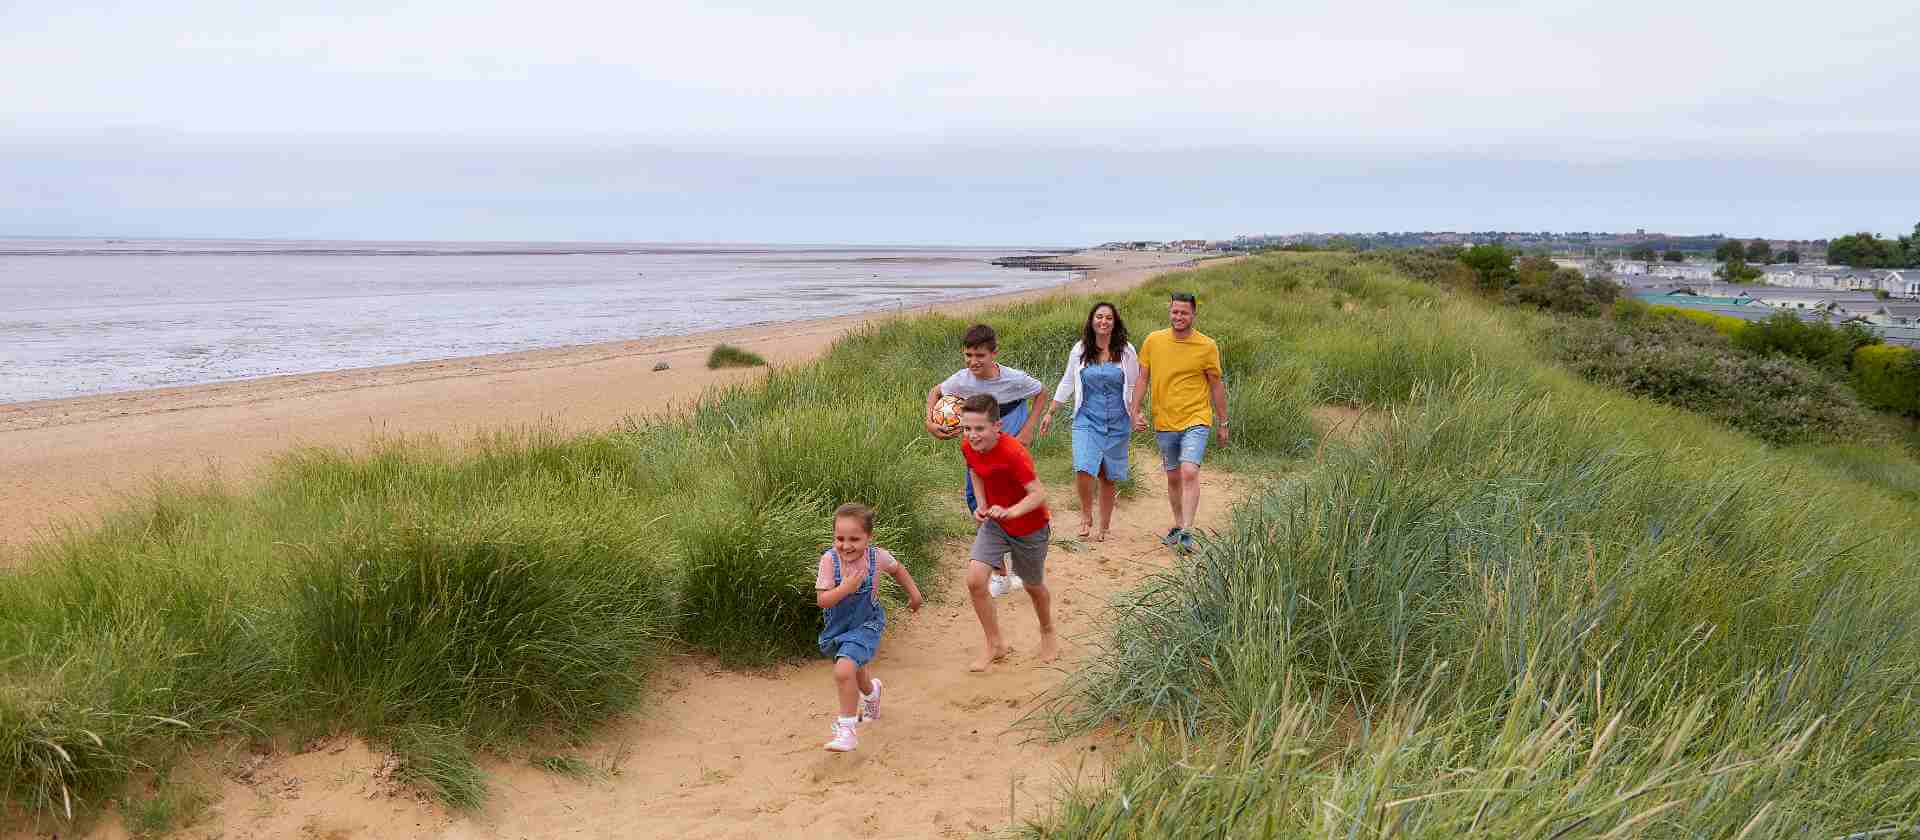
(1004, 472)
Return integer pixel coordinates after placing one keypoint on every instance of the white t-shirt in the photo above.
(1012, 385)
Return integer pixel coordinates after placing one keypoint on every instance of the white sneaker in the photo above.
(870, 703)
(998, 585)
(845, 739)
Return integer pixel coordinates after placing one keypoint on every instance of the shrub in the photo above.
(1726, 325)
(1563, 290)
(1492, 266)
(1681, 363)
(727, 355)
(1785, 334)
(1888, 377)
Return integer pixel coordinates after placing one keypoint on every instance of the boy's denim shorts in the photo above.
(1189, 444)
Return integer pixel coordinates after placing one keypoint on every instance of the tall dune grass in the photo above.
(1523, 607)
(442, 597)
(1498, 612)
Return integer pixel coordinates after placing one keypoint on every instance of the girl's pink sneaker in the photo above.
(845, 739)
(870, 704)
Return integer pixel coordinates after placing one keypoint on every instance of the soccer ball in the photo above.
(946, 413)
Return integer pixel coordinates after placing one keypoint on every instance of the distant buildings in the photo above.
(1179, 245)
(1698, 272)
(1895, 282)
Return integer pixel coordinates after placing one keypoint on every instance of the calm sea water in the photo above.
(94, 316)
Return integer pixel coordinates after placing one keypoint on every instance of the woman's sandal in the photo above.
(1085, 528)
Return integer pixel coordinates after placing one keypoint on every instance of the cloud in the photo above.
(156, 115)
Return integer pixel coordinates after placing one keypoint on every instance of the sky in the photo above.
(993, 123)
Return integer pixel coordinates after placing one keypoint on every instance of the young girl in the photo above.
(847, 591)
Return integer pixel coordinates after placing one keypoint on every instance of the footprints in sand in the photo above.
(981, 701)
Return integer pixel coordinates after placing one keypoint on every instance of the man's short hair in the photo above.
(856, 511)
(982, 404)
(981, 335)
(1186, 298)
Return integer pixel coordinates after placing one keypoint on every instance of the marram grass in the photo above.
(1524, 607)
(1495, 616)
(445, 597)
(728, 356)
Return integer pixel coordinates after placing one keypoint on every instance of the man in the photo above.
(1011, 387)
(1181, 366)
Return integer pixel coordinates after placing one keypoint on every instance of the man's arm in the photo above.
(1219, 388)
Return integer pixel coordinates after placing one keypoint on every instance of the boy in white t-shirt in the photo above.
(1012, 388)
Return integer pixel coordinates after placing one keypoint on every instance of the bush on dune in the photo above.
(1684, 364)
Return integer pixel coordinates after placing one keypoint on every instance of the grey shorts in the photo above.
(1029, 552)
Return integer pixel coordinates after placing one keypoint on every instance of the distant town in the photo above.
(1746, 278)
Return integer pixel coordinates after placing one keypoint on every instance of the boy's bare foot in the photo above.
(987, 657)
(1049, 647)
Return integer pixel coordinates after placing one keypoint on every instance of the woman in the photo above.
(1102, 371)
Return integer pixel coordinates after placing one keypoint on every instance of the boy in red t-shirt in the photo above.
(1013, 521)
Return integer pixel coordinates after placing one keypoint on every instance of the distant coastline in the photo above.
(64, 459)
(119, 316)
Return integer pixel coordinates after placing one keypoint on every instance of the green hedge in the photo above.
(1888, 377)
(1726, 325)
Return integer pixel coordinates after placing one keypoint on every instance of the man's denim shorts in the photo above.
(1188, 445)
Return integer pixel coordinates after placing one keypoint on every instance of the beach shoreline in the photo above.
(65, 460)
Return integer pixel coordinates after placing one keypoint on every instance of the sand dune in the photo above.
(63, 461)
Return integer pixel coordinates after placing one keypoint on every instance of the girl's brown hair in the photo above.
(855, 510)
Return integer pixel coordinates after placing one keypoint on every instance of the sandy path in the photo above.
(724, 754)
(62, 461)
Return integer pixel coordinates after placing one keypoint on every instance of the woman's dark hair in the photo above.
(1089, 346)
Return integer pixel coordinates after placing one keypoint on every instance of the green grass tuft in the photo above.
(436, 760)
(572, 767)
(729, 356)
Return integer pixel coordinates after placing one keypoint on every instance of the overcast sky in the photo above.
(980, 122)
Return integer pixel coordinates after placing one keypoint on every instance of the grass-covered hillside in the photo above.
(1522, 606)
(443, 597)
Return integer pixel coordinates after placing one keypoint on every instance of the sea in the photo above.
(95, 316)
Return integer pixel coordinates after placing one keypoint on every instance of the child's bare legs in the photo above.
(850, 681)
(996, 648)
(1043, 610)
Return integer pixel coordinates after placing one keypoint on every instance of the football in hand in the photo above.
(946, 413)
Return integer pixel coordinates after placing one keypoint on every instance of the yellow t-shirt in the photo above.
(1177, 370)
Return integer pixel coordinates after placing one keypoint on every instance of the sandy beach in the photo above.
(63, 461)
